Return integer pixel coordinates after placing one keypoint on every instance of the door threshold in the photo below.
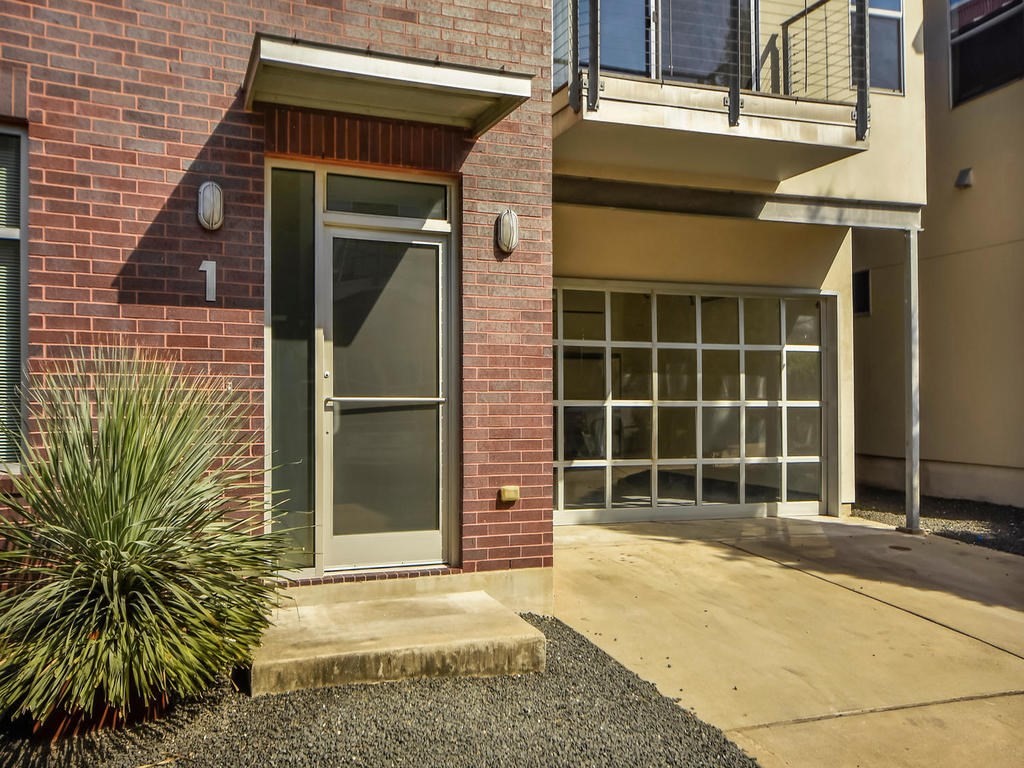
(394, 567)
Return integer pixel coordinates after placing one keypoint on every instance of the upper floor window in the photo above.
(986, 41)
(13, 231)
(885, 48)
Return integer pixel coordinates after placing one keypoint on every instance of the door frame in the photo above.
(406, 543)
(431, 230)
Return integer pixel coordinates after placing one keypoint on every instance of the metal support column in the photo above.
(734, 75)
(575, 75)
(861, 63)
(912, 385)
(594, 57)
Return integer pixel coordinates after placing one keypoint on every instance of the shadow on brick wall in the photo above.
(163, 268)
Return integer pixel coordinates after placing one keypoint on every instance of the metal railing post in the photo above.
(594, 57)
(575, 75)
(734, 80)
(860, 64)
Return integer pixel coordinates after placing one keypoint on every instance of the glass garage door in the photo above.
(674, 405)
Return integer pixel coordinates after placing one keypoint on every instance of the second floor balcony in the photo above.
(763, 89)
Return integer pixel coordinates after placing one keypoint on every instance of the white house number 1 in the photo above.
(210, 268)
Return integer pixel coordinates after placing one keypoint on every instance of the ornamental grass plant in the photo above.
(134, 565)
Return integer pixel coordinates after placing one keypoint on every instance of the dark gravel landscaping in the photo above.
(586, 710)
(976, 522)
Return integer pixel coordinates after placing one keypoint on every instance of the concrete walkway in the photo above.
(812, 642)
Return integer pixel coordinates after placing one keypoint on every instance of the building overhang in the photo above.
(669, 127)
(301, 74)
(791, 209)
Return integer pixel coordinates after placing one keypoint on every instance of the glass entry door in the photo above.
(384, 398)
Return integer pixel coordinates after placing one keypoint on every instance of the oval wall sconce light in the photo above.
(211, 205)
(507, 231)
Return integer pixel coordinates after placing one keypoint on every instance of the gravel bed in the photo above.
(976, 522)
(586, 710)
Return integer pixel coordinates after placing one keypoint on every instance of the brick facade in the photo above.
(132, 104)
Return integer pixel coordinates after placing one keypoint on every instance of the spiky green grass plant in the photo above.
(133, 569)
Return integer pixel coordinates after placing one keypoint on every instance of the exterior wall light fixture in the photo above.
(964, 179)
(507, 231)
(210, 208)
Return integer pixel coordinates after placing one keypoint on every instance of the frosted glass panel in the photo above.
(764, 432)
(721, 374)
(677, 433)
(584, 433)
(292, 224)
(721, 483)
(631, 374)
(677, 318)
(760, 321)
(804, 432)
(583, 369)
(631, 433)
(386, 469)
(631, 486)
(764, 375)
(583, 488)
(677, 486)
(721, 438)
(677, 374)
(803, 321)
(385, 319)
(384, 197)
(803, 482)
(803, 375)
(631, 316)
(583, 315)
(720, 321)
(764, 483)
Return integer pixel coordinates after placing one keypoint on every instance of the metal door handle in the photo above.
(329, 401)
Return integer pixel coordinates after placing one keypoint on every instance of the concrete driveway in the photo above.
(812, 642)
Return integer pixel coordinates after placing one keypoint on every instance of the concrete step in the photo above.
(370, 641)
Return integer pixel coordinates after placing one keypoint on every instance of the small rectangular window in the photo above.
(384, 197)
(12, 234)
(862, 292)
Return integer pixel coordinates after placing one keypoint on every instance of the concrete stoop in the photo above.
(371, 641)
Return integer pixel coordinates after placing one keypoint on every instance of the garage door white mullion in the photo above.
(784, 394)
(742, 490)
(655, 395)
(698, 492)
(608, 411)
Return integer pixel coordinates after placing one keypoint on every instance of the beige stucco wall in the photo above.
(606, 243)
(972, 316)
(893, 168)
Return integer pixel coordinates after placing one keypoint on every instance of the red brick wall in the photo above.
(133, 103)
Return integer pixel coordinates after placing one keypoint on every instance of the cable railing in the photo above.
(794, 48)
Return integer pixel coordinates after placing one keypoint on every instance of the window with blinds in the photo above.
(11, 233)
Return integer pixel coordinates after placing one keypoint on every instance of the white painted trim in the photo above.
(387, 223)
(306, 56)
(681, 512)
(687, 289)
(492, 94)
(431, 232)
